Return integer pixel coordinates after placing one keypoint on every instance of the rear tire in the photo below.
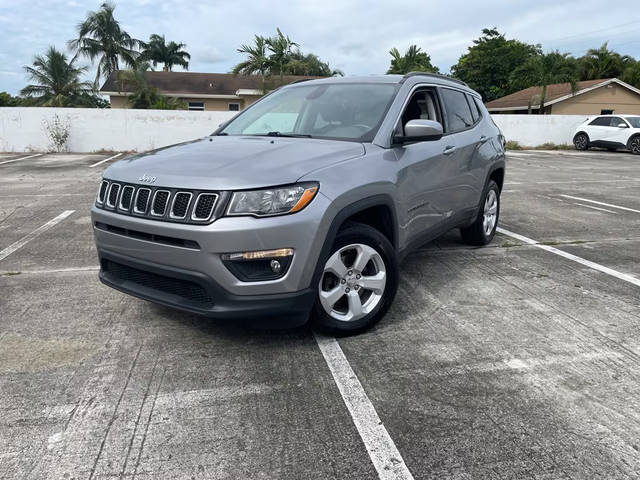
(581, 141)
(634, 145)
(358, 281)
(483, 229)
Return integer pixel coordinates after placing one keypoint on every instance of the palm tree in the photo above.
(56, 82)
(280, 48)
(544, 70)
(257, 60)
(603, 63)
(100, 35)
(158, 51)
(142, 94)
(414, 60)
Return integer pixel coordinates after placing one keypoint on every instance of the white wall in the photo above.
(534, 130)
(22, 128)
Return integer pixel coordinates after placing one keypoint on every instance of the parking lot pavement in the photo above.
(517, 360)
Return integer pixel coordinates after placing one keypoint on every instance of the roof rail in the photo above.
(434, 75)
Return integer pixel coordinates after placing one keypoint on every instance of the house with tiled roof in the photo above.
(590, 97)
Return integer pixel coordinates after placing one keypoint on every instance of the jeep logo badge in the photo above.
(146, 178)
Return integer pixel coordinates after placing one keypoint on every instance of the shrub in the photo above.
(58, 130)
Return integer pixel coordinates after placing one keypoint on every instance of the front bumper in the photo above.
(196, 293)
(202, 267)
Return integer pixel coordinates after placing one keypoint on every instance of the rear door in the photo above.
(462, 118)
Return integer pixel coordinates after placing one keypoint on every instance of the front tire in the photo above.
(581, 141)
(483, 229)
(634, 145)
(358, 281)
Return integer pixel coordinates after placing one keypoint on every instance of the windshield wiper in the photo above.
(280, 134)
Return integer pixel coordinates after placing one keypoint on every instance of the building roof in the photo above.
(191, 84)
(555, 93)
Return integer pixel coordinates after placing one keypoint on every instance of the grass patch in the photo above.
(513, 145)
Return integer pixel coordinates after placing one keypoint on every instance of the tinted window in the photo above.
(475, 113)
(458, 112)
(615, 121)
(601, 122)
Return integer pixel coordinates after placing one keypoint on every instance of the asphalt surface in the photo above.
(509, 361)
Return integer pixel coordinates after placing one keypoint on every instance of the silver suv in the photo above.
(304, 204)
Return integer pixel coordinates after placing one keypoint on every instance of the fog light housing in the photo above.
(259, 265)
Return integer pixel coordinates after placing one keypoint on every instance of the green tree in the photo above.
(8, 100)
(257, 61)
(603, 63)
(100, 36)
(414, 60)
(488, 63)
(631, 74)
(56, 81)
(158, 51)
(542, 71)
(168, 103)
(280, 47)
(142, 95)
(310, 65)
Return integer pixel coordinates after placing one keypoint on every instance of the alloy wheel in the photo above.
(352, 283)
(490, 216)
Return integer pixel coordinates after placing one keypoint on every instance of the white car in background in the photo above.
(609, 131)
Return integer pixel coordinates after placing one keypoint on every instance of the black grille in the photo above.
(127, 195)
(113, 194)
(180, 204)
(103, 191)
(160, 199)
(159, 203)
(185, 289)
(204, 206)
(142, 200)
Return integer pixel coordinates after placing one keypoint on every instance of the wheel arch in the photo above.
(377, 211)
(583, 133)
(631, 138)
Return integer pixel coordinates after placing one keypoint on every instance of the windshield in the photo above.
(634, 121)
(344, 111)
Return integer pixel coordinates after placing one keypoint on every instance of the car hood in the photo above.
(233, 162)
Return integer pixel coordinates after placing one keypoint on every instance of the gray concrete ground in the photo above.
(500, 362)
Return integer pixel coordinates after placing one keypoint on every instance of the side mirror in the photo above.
(622, 125)
(420, 131)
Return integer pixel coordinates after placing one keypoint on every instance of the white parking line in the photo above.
(26, 239)
(601, 203)
(105, 160)
(595, 208)
(48, 272)
(383, 452)
(588, 263)
(21, 158)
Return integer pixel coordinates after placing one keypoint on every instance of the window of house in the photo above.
(458, 112)
(234, 107)
(606, 112)
(196, 106)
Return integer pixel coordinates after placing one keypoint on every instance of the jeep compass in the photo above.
(304, 203)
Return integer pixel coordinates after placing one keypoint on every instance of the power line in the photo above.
(594, 31)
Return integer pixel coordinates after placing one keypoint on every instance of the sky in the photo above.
(352, 35)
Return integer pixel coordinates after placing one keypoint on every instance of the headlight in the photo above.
(272, 201)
